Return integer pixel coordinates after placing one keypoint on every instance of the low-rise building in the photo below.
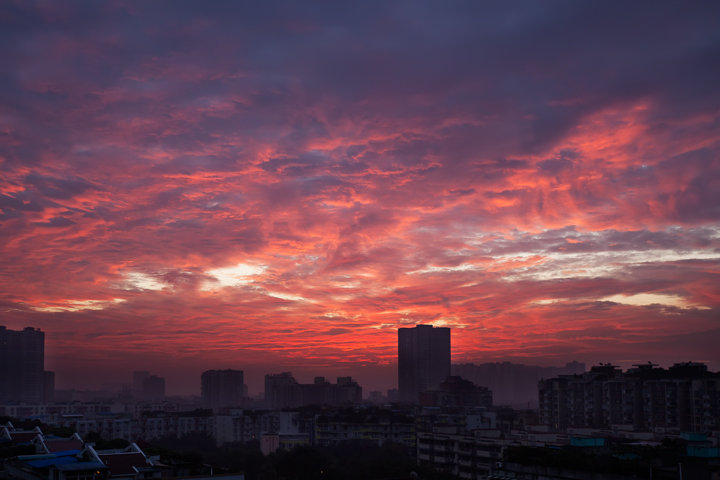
(70, 458)
(466, 455)
(376, 425)
(127, 463)
(161, 424)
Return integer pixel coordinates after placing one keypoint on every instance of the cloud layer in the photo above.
(284, 185)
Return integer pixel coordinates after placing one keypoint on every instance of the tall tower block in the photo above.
(423, 359)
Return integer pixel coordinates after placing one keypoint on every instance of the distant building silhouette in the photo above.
(455, 391)
(513, 384)
(685, 397)
(139, 377)
(148, 388)
(423, 359)
(283, 391)
(154, 389)
(48, 387)
(222, 388)
(22, 360)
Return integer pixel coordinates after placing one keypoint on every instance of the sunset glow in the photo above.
(280, 186)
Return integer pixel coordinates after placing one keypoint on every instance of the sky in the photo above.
(278, 186)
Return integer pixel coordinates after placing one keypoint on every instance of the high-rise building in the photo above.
(423, 359)
(22, 361)
(222, 388)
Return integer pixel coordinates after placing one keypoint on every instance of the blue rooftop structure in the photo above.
(83, 466)
(48, 462)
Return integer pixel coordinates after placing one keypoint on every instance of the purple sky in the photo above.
(280, 186)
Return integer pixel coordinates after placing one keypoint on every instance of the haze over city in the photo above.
(282, 186)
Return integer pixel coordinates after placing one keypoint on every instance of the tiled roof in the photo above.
(23, 437)
(45, 462)
(63, 444)
(122, 463)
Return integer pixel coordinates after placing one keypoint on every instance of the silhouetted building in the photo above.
(393, 395)
(321, 392)
(22, 361)
(223, 388)
(513, 384)
(148, 388)
(423, 359)
(139, 377)
(48, 387)
(283, 391)
(685, 397)
(154, 389)
(457, 392)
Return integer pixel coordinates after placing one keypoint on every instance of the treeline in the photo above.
(351, 460)
(630, 460)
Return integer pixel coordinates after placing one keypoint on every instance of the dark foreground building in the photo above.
(683, 398)
(423, 359)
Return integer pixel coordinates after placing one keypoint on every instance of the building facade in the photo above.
(685, 397)
(423, 360)
(378, 426)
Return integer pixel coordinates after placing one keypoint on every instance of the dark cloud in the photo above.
(338, 331)
(554, 166)
(56, 222)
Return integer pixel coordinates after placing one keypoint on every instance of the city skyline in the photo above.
(280, 187)
(423, 354)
